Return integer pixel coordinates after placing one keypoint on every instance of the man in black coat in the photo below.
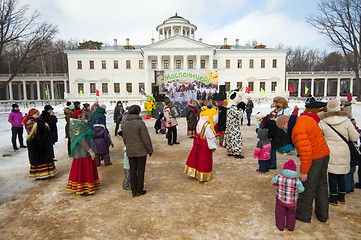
(48, 116)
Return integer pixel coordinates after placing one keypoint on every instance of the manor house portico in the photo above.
(121, 71)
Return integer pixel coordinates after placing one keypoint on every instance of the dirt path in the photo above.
(238, 203)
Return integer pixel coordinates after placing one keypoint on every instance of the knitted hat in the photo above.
(32, 112)
(15, 105)
(290, 165)
(333, 106)
(77, 113)
(48, 107)
(210, 112)
(282, 120)
(167, 101)
(260, 116)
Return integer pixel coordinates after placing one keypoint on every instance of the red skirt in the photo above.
(83, 177)
(200, 160)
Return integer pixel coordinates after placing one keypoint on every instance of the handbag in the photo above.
(354, 153)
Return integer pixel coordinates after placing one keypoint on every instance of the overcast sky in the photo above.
(270, 22)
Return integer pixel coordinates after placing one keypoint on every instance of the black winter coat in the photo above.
(51, 120)
(222, 118)
(40, 147)
(278, 137)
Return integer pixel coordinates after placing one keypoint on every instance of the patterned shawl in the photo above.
(79, 129)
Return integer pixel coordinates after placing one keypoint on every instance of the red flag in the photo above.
(248, 90)
(97, 93)
(291, 89)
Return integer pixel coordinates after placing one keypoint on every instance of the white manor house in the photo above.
(120, 72)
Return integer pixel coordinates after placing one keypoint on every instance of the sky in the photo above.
(270, 22)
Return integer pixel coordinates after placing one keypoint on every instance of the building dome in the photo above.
(176, 25)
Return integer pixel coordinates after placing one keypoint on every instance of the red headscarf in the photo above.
(29, 114)
(77, 113)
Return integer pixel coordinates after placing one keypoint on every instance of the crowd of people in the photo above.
(320, 135)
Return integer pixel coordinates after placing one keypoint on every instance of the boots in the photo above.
(333, 200)
(341, 197)
(126, 181)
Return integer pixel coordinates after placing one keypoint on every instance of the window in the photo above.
(104, 64)
(262, 85)
(274, 63)
(228, 63)
(104, 87)
(140, 64)
(154, 64)
(190, 64)
(115, 64)
(129, 87)
(239, 84)
(251, 62)
(91, 64)
(127, 64)
(203, 63)
(273, 86)
(141, 86)
(215, 64)
(178, 64)
(228, 86)
(166, 64)
(80, 87)
(116, 87)
(251, 86)
(80, 65)
(92, 88)
(239, 63)
(263, 63)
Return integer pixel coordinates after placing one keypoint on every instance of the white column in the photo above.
(159, 62)
(313, 87)
(351, 86)
(146, 77)
(181, 31)
(198, 62)
(52, 89)
(185, 57)
(287, 88)
(19, 91)
(24, 89)
(325, 90)
(171, 64)
(172, 32)
(210, 65)
(338, 87)
(38, 89)
(299, 87)
(11, 96)
(65, 86)
(159, 33)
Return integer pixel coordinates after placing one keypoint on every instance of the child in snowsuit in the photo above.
(102, 143)
(158, 123)
(263, 149)
(126, 166)
(288, 187)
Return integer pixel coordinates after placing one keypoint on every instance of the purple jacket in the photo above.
(101, 139)
(15, 119)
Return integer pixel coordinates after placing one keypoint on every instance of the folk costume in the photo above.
(192, 114)
(40, 148)
(83, 177)
(200, 159)
(222, 118)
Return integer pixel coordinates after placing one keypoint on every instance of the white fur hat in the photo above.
(260, 116)
(333, 106)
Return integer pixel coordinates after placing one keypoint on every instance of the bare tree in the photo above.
(303, 59)
(340, 21)
(21, 37)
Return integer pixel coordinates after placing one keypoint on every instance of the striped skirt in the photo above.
(42, 171)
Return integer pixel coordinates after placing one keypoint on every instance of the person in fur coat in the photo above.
(339, 164)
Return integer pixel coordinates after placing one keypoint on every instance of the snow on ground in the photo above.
(237, 203)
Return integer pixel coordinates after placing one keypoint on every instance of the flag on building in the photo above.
(262, 92)
(81, 93)
(142, 92)
(291, 89)
(97, 93)
(248, 90)
(306, 90)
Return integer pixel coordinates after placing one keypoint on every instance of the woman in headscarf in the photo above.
(40, 148)
(192, 114)
(200, 159)
(83, 177)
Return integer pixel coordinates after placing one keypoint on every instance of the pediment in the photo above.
(275, 79)
(79, 80)
(178, 42)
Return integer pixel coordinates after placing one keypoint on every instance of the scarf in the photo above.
(79, 129)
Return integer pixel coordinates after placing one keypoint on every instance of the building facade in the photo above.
(122, 71)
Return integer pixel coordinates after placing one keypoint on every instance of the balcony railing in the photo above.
(321, 73)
